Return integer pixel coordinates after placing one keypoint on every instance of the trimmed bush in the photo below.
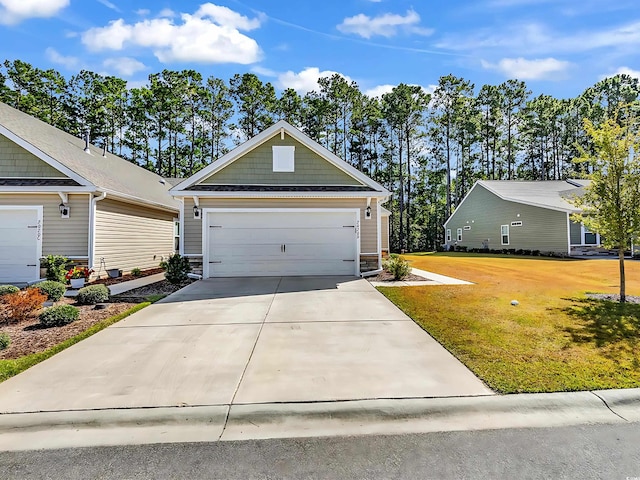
(5, 289)
(397, 266)
(136, 272)
(176, 269)
(5, 340)
(53, 290)
(56, 266)
(59, 315)
(92, 294)
(19, 306)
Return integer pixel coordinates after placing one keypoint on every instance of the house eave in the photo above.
(205, 194)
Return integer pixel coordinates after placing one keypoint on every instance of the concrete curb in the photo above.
(69, 429)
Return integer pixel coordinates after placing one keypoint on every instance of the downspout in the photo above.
(92, 227)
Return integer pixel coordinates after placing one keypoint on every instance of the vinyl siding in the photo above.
(384, 229)
(16, 162)
(60, 236)
(256, 168)
(542, 229)
(193, 228)
(129, 236)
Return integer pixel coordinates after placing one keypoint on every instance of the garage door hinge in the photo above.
(32, 226)
(348, 226)
(215, 226)
(348, 260)
(31, 265)
(216, 261)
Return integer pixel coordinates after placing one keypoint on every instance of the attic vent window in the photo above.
(283, 158)
(516, 224)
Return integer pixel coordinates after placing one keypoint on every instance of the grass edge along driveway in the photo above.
(556, 339)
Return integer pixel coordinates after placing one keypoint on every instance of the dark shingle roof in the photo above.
(38, 182)
(110, 172)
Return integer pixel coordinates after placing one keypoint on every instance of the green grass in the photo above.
(555, 340)
(9, 368)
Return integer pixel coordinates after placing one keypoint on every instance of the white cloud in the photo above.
(110, 5)
(535, 38)
(380, 90)
(15, 11)
(54, 56)
(211, 35)
(385, 25)
(524, 69)
(265, 72)
(143, 12)
(305, 80)
(624, 71)
(125, 66)
(167, 12)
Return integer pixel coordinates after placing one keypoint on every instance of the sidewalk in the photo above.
(431, 279)
(210, 423)
(122, 287)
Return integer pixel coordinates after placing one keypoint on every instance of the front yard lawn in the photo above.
(556, 339)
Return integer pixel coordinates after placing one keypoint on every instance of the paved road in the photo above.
(585, 452)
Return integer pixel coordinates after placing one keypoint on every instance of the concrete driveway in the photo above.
(247, 341)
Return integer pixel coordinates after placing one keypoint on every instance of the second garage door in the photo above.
(274, 243)
(20, 244)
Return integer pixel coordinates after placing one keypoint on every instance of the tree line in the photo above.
(428, 148)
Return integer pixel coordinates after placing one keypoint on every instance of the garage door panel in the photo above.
(271, 243)
(19, 247)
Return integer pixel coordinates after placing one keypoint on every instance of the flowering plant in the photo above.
(78, 272)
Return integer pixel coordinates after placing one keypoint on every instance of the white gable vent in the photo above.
(284, 158)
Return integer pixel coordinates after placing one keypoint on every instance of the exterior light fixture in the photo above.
(367, 212)
(196, 212)
(64, 210)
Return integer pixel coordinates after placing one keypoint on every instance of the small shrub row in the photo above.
(176, 268)
(21, 305)
(136, 272)
(53, 290)
(58, 315)
(509, 251)
(5, 341)
(92, 294)
(397, 266)
(5, 289)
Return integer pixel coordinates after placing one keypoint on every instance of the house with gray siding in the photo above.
(282, 204)
(520, 215)
(61, 196)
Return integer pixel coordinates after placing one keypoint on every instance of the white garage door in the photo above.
(20, 230)
(268, 243)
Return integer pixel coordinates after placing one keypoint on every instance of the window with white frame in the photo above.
(176, 235)
(459, 234)
(283, 158)
(504, 234)
(448, 234)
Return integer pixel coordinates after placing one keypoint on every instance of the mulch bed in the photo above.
(30, 337)
(125, 278)
(388, 277)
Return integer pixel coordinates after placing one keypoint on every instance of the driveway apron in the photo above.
(244, 341)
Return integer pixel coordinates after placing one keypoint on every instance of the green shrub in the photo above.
(397, 266)
(136, 272)
(53, 290)
(4, 289)
(58, 315)
(176, 269)
(92, 294)
(56, 266)
(5, 341)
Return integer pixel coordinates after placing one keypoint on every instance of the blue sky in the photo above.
(558, 47)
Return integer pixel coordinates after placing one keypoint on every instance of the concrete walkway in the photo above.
(118, 288)
(431, 279)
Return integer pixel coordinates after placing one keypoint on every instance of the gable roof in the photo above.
(371, 188)
(92, 172)
(551, 194)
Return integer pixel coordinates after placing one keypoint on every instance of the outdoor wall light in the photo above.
(196, 212)
(367, 212)
(64, 210)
